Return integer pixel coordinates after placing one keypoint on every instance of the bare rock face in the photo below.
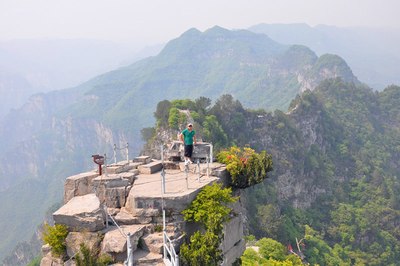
(50, 261)
(81, 214)
(233, 243)
(78, 185)
(113, 189)
(114, 242)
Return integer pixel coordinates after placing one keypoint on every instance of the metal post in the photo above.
(164, 237)
(129, 250)
(208, 166)
(127, 152)
(105, 211)
(105, 165)
(115, 153)
(187, 173)
(211, 153)
(162, 181)
(198, 168)
(164, 222)
(162, 154)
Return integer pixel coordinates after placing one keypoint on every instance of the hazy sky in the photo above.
(156, 21)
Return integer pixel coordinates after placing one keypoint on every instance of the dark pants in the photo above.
(188, 150)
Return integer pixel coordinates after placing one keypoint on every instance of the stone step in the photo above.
(148, 212)
(142, 159)
(119, 167)
(135, 165)
(150, 168)
(124, 217)
(131, 175)
(153, 242)
(111, 181)
(147, 258)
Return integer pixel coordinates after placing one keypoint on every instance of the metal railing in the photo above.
(126, 148)
(170, 256)
(129, 259)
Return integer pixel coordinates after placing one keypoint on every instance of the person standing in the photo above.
(188, 137)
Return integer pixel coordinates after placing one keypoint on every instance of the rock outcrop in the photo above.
(81, 213)
(126, 203)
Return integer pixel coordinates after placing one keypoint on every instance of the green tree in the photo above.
(270, 248)
(214, 133)
(202, 104)
(210, 210)
(251, 257)
(269, 218)
(270, 252)
(319, 252)
(176, 118)
(55, 236)
(147, 133)
(162, 112)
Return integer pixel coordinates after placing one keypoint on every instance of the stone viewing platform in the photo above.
(130, 194)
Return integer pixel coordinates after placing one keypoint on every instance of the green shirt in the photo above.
(188, 136)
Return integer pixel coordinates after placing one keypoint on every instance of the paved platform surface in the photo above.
(178, 182)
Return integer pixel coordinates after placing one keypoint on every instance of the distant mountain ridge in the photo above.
(29, 66)
(70, 125)
(211, 63)
(373, 54)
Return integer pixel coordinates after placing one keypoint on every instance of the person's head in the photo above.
(190, 126)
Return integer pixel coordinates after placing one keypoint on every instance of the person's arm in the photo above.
(181, 137)
(194, 139)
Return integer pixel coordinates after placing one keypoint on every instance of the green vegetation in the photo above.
(340, 145)
(351, 156)
(270, 252)
(254, 68)
(175, 114)
(158, 228)
(88, 257)
(35, 261)
(334, 184)
(55, 237)
(335, 180)
(245, 166)
(210, 210)
(216, 62)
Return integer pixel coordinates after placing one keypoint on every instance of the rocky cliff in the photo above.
(36, 161)
(124, 206)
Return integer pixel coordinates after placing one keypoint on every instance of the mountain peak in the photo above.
(337, 64)
(217, 30)
(191, 32)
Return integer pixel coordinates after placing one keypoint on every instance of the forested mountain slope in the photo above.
(53, 135)
(335, 159)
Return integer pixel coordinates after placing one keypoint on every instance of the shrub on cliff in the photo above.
(55, 237)
(89, 257)
(245, 166)
(211, 211)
